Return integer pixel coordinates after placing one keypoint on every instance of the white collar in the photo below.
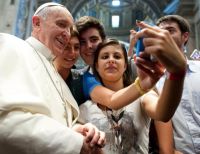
(41, 48)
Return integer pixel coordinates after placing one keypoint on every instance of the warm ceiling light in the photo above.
(115, 3)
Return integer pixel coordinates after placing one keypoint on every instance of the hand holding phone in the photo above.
(140, 47)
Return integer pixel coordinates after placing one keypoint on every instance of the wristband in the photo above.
(138, 87)
(176, 76)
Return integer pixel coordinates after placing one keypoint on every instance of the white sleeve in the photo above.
(27, 133)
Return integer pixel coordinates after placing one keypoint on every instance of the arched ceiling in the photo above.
(157, 5)
(129, 11)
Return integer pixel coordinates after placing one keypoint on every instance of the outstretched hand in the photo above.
(159, 43)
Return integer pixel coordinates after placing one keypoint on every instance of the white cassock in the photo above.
(36, 107)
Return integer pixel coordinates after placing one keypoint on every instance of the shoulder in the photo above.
(90, 79)
(11, 44)
(11, 40)
(13, 49)
(5, 36)
(89, 83)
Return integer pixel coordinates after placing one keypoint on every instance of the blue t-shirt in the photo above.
(89, 83)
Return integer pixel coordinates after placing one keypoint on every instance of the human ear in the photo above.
(186, 37)
(36, 21)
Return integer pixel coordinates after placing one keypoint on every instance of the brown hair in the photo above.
(74, 32)
(86, 22)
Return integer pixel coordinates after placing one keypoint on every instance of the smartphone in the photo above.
(139, 45)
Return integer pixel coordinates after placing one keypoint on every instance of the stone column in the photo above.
(21, 20)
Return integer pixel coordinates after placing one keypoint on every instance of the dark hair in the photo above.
(108, 42)
(182, 22)
(86, 22)
(74, 32)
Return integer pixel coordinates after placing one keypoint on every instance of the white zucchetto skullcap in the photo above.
(49, 4)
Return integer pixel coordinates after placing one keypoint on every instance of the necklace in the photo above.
(115, 120)
(60, 92)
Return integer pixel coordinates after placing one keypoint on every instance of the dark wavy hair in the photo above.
(105, 43)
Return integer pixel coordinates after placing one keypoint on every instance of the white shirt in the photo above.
(186, 120)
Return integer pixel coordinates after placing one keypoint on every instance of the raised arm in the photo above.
(132, 42)
(161, 45)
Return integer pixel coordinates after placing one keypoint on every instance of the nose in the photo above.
(89, 44)
(111, 60)
(72, 52)
(69, 50)
(66, 34)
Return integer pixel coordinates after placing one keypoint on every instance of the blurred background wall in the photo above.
(118, 16)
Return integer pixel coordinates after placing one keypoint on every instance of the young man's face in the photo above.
(69, 56)
(175, 32)
(89, 41)
(54, 31)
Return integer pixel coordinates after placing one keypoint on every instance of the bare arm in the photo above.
(164, 133)
(132, 43)
(112, 99)
(125, 96)
(163, 107)
(165, 136)
(161, 45)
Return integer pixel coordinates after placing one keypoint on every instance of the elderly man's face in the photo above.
(55, 30)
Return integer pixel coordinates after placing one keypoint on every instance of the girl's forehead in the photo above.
(112, 47)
